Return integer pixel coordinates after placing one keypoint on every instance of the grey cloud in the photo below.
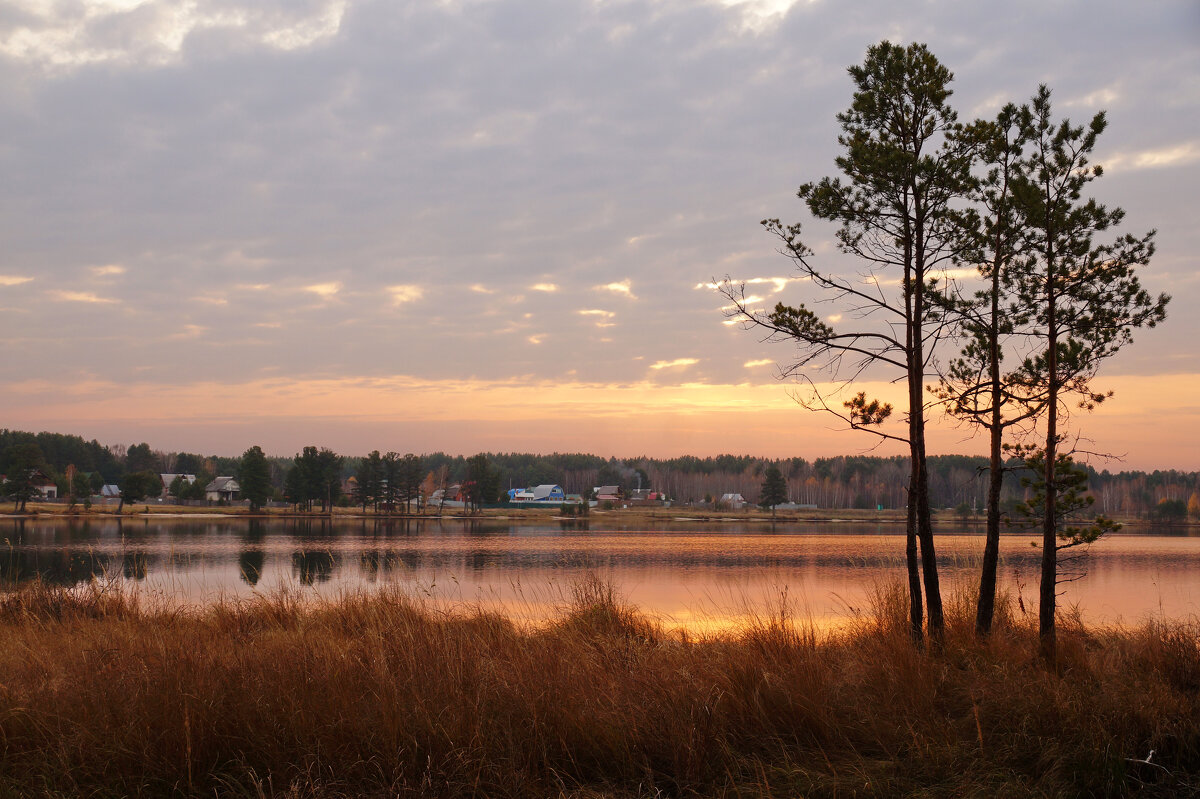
(501, 143)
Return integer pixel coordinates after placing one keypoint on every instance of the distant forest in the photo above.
(846, 481)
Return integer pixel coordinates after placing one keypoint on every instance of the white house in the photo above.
(44, 485)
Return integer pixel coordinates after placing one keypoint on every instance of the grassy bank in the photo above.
(103, 695)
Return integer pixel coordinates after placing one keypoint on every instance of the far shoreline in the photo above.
(660, 515)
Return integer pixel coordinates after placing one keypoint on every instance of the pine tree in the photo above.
(21, 462)
(410, 476)
(392, 493)
(974, 387)
(901, 172)
(254, 477)
(1085, 299)
(368, 478)
(774, 489)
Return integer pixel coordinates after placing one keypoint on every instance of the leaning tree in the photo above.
(894, 203)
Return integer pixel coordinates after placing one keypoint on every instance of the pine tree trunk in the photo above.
(986, 608)
(933, 591)
(916, 608)
(1047, 634)
(916, 419)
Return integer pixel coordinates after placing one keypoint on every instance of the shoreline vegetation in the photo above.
(657, 515)
(107, 693)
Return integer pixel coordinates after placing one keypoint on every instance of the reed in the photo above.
(104, 693)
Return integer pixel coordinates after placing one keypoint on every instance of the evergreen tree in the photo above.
(393, 481)
(316, 476)
(974, 387)
(21, 462)
(329, 478)
(410, 476)
(1085, 299)
(80, 488)
(294, 486)
(178, 487)
(368, 478)
(483, 481)
(774, 489)
(901, 172)
(136, 486)
(254, 477)
(140, 458)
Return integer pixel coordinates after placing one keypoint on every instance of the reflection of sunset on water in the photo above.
(818, 575)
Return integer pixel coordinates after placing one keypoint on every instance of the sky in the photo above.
(491, 225)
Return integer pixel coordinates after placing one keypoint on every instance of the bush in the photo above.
(1171, 510)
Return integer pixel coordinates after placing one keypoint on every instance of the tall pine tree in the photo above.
(901, 172)
(1085, 298)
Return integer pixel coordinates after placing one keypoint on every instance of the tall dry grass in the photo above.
(104, 694)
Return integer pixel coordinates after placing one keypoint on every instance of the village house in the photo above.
(545, 494)
(222, 489)
(645, 498)
(44, 485)
(606, 494)
(46, 488)
(450, 497)
(167, 479)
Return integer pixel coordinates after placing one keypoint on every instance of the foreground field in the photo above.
(380, 695)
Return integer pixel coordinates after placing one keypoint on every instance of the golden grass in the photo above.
(105, 694)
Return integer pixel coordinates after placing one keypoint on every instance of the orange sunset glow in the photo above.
(609, 420)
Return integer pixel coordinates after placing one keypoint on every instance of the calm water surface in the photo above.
(688, 574)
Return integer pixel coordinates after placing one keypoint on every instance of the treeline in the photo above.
(318, 476)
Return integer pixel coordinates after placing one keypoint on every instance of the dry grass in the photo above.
(104, 695)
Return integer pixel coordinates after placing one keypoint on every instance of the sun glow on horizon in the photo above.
(525, 414)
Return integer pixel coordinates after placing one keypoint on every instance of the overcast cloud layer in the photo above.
(497, 189)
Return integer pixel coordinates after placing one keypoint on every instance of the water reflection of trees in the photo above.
(134, 565)
(66, 552)
(252, 558)
(57, 567)
(250, 566)
(376, 563)
(311, 566)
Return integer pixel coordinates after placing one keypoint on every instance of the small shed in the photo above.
(733, 501)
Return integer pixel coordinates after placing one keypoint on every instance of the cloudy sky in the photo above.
(470, 225)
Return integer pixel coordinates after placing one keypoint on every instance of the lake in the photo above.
(701, 575)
